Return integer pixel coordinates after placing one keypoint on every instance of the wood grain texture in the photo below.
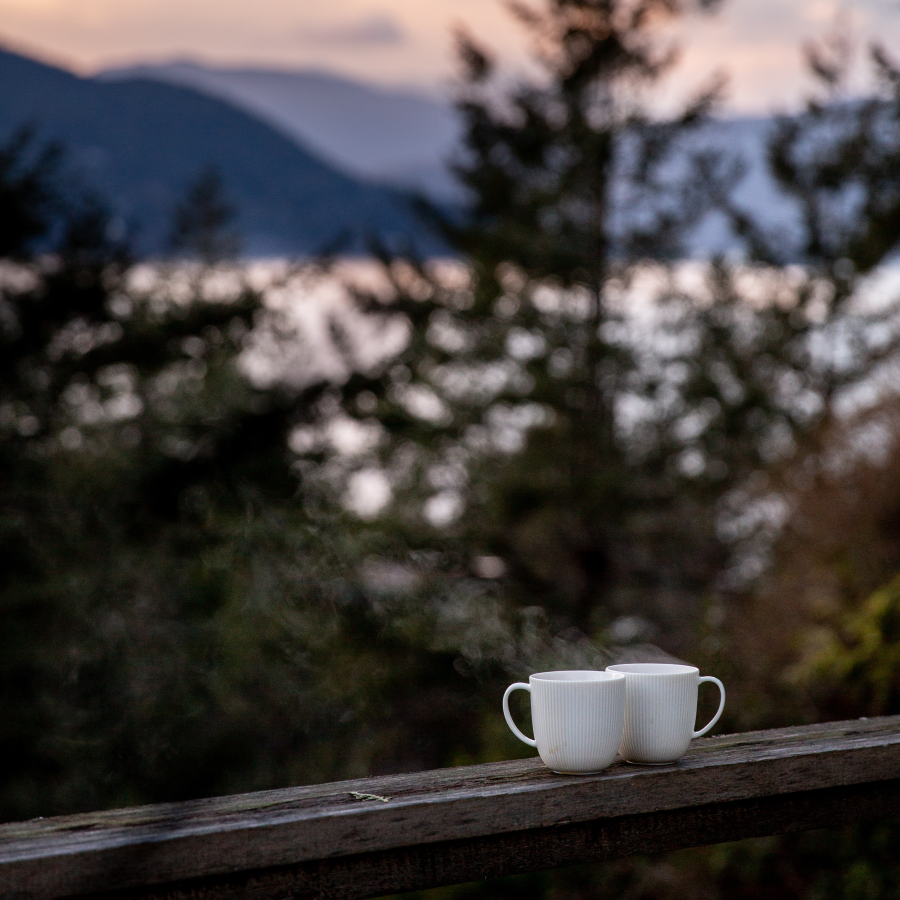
(455, 825)
(453, 862)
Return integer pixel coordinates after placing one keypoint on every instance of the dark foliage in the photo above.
(131, 449)
(27, 198)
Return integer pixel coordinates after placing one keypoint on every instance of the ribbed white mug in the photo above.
(577, 716)
(660, 711)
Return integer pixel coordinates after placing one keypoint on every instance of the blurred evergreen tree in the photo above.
(145, 486)
(27, 198)
(203, 220)
(507, 405)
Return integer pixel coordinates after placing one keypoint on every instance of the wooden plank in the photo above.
(453, 862)
(458, 824)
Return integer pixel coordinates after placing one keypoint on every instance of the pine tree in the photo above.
(570, 194)
(138, 467)
(203, 222)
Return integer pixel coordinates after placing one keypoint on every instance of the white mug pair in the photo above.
(644, 711)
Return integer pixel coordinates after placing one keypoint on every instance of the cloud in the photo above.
(373, 31)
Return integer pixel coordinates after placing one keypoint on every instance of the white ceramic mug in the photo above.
(577, 716)
(660, 710)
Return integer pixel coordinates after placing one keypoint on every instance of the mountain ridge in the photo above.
(141, 142)
(390, 135)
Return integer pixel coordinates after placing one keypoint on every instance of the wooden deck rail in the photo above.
(402, 832)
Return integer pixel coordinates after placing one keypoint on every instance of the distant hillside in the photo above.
(406, 138)
(395, 136)
(140, 142)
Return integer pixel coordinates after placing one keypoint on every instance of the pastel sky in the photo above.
(408, 41)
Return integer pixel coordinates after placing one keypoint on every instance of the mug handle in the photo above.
(715, 718)
(518, 686)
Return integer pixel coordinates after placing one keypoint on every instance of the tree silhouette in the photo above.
(202, 221)
(570, 194)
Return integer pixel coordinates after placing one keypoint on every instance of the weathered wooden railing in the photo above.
(402, 832)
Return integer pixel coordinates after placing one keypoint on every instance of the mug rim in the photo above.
(576, 676)
(653, 669)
